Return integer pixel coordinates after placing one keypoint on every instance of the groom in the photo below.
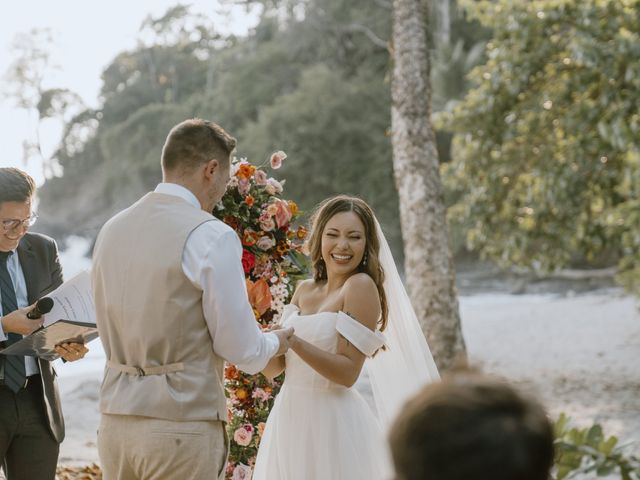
(171, 307)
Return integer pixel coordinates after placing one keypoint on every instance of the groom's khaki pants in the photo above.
(141, 448)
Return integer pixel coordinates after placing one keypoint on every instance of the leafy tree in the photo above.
(335, 139)
(546, 160)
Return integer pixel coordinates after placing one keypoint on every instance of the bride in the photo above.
(321, 427)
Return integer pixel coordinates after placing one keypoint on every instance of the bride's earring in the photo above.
(364, 259)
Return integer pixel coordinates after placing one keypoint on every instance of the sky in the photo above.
(87, 35)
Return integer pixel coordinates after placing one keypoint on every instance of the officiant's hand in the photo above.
(17, 322)
(283, 334)
(71, 351)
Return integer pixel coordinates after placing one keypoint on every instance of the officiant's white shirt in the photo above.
(212, 261)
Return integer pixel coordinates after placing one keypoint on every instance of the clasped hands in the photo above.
(284, 337)
(18, 322)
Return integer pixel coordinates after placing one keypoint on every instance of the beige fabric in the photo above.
(150, 317)
(140, 448)
(142, 371)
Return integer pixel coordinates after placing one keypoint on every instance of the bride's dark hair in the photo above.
(370, 264)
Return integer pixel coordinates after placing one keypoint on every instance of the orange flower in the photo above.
(259, 295)
(231, 372)
(293, 206)
(249, 238)
(249, 200)
(242, 394)
(301, 233)
(246, 170)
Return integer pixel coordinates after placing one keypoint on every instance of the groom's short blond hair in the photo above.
(194, 142)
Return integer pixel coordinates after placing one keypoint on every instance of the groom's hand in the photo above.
(283, 334)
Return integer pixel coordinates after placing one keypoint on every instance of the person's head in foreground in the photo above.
(468, 427)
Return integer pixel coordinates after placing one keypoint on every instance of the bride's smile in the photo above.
(343, 243)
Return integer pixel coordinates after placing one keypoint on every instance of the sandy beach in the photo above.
(579, 354)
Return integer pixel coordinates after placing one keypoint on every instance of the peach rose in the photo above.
(283, 214)
(242, 436)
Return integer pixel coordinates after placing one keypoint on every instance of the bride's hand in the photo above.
(284, 335)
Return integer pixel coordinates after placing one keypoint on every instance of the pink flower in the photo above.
(283, 214)
(242, 436)
(277, 186)
(267, 224)
(244, 186)
(277, 158)
(261, 394)
(263, 268)
(260, 177)
(266, 242)
(241, 472)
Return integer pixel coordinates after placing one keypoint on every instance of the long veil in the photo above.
(407, 364)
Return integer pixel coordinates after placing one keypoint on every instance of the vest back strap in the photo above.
(143, 371)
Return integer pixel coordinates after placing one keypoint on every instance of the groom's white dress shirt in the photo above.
(212, 261)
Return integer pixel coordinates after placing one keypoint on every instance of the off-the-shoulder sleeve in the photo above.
(288, 310)
(365, 340)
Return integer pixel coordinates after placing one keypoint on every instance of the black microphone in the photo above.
(44, 305)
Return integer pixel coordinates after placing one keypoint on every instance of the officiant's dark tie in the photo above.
(14, 369)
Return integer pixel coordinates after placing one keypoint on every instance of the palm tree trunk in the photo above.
(430, 275)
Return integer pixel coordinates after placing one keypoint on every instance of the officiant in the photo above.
(31, 422)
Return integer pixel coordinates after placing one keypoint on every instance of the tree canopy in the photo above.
(310, 79)
(546, 155)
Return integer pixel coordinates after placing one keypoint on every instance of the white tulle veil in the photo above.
(398, 372)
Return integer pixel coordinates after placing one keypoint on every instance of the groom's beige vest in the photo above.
(160, 359)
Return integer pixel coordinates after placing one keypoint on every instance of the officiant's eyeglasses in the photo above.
(14, 224)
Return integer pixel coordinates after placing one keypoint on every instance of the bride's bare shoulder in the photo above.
(362, 300)
(360, 284)
(302, 288)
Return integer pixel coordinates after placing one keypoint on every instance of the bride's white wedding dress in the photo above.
(317, 429)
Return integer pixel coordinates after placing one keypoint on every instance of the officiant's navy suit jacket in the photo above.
(38, 255)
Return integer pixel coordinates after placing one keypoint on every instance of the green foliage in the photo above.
(588, 450)
(311, 78)
(546, 151)
(335, 138)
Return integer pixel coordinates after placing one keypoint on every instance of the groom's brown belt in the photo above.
(143, 371)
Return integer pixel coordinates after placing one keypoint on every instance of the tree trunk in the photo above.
(430, 276)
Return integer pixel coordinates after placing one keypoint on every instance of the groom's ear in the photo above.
(210, 168)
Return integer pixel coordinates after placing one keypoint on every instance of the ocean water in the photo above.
(74, 260)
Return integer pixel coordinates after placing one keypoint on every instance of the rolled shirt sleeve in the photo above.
(212, 262)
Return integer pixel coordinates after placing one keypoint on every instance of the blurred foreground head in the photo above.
(470, 427)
